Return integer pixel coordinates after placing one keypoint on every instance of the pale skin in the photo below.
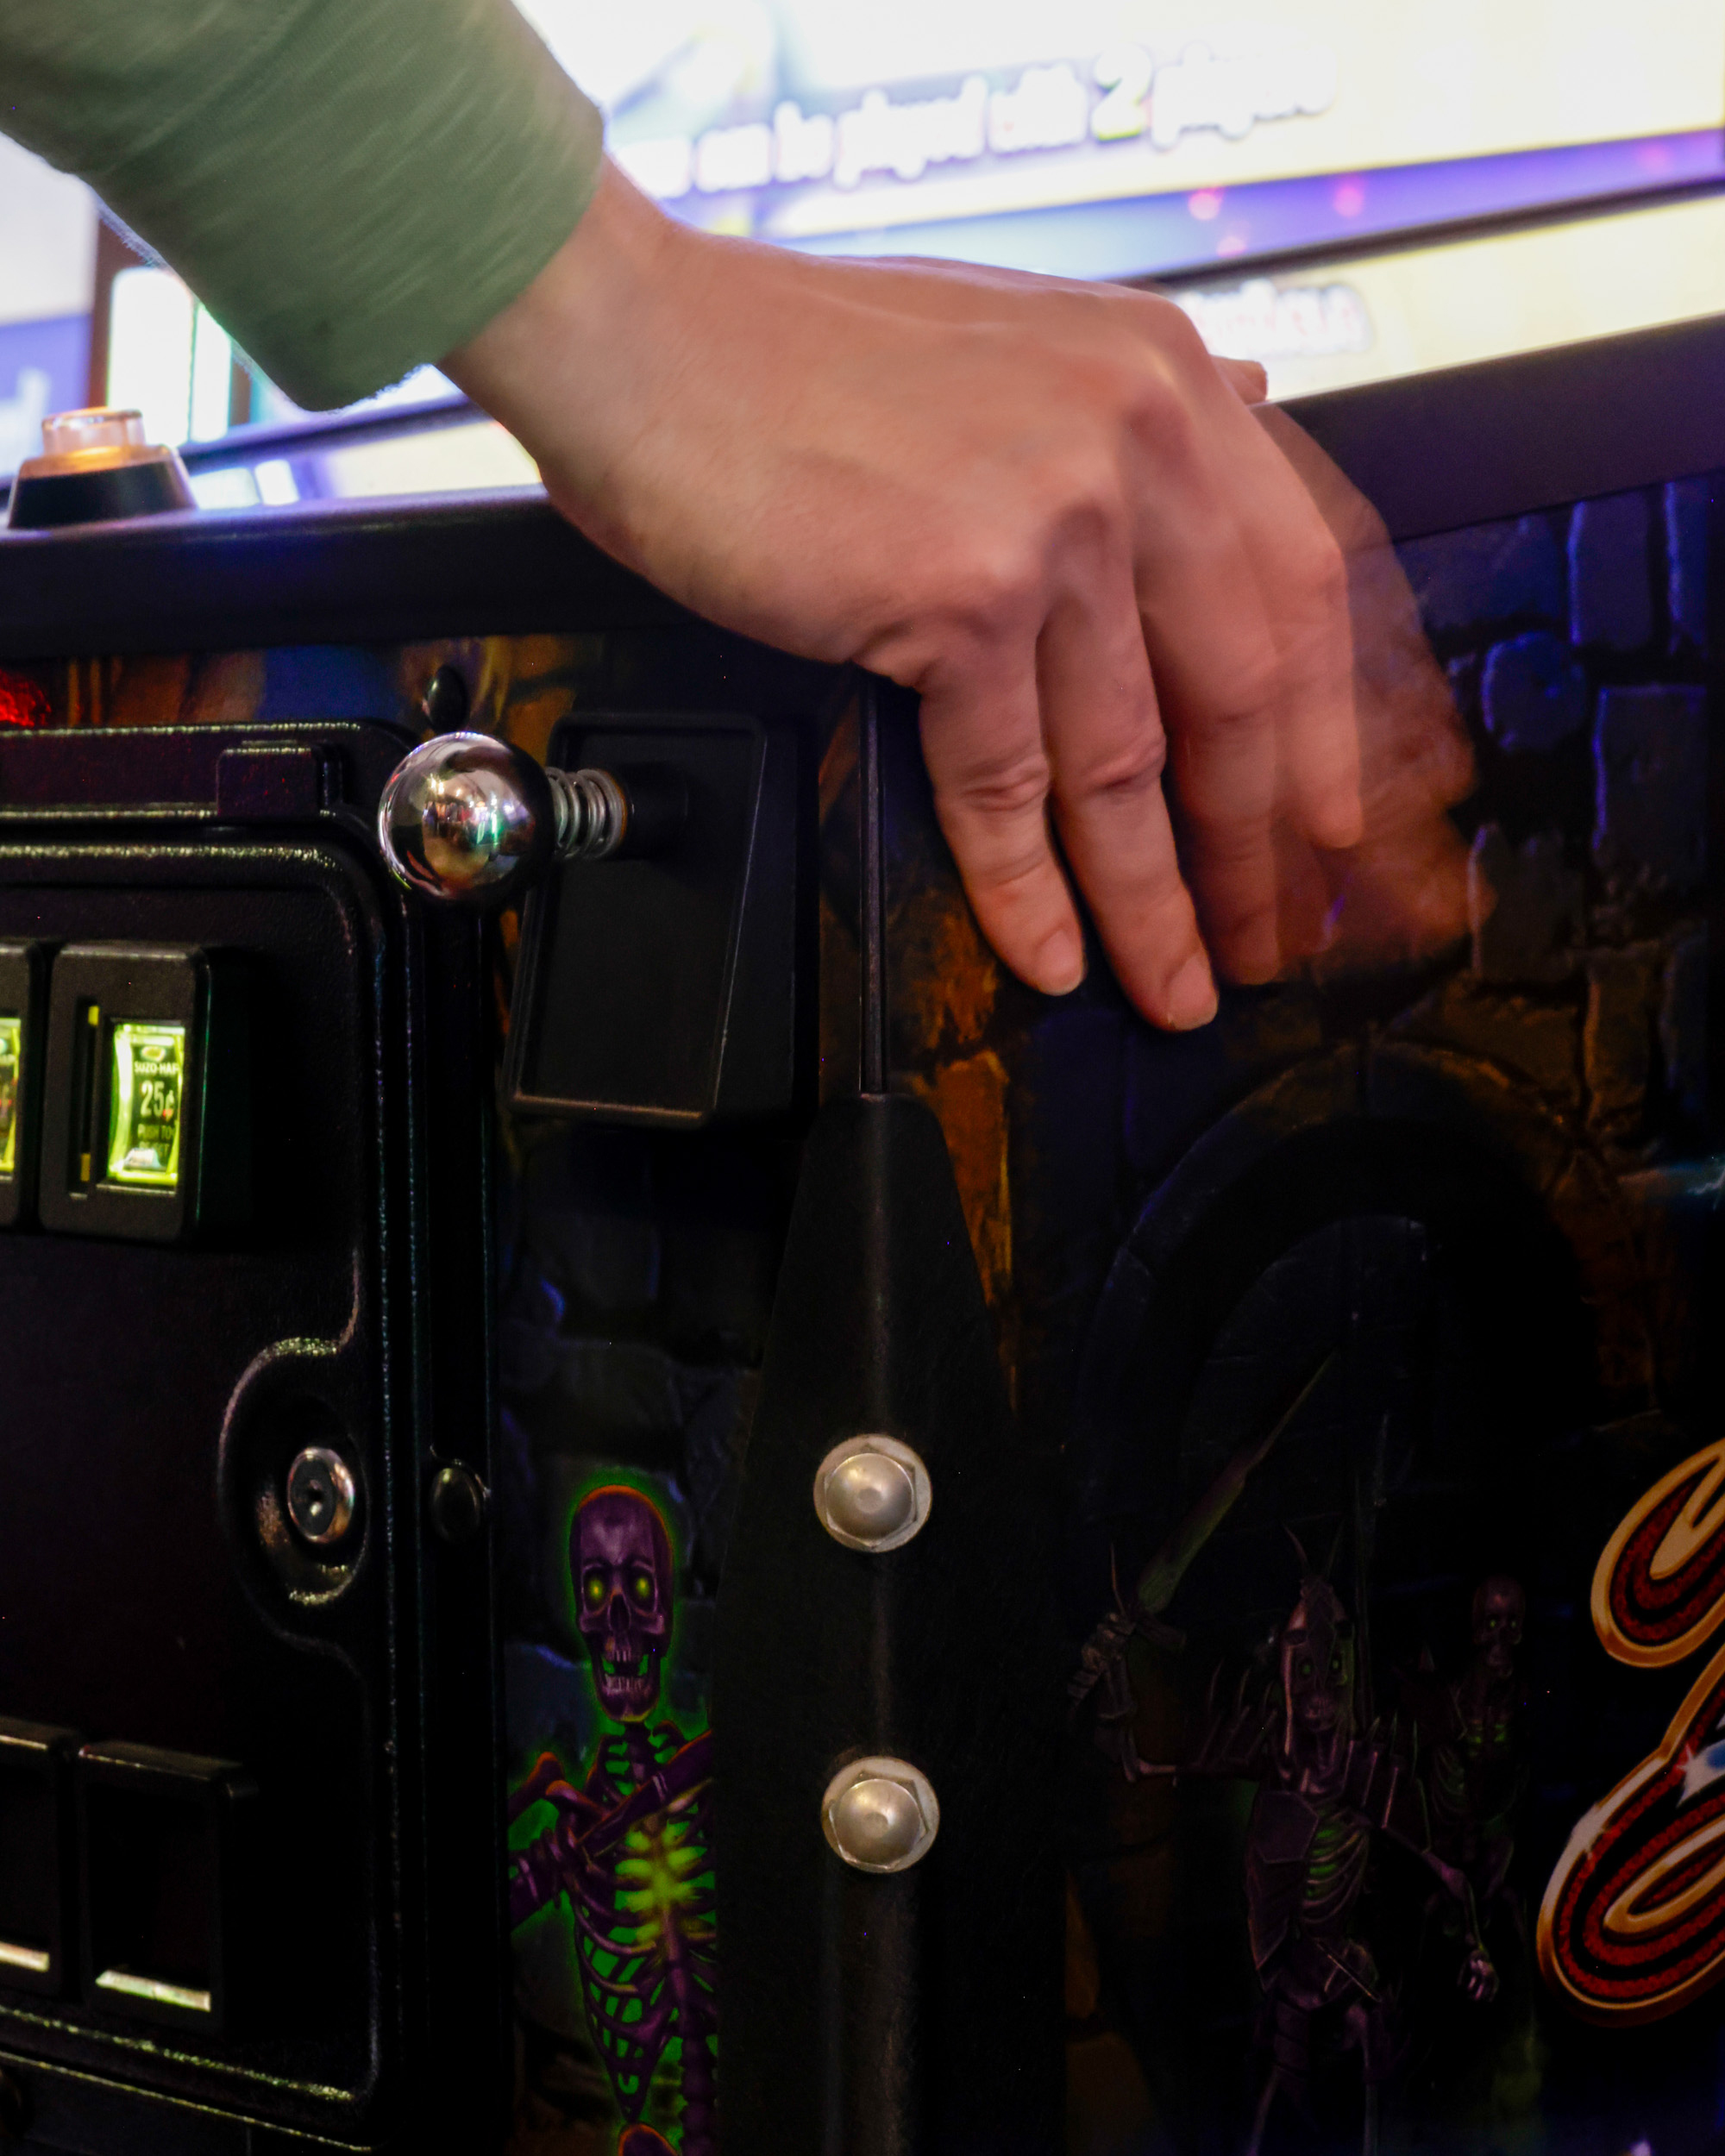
(1042, 505)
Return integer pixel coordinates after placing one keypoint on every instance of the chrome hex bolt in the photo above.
(872, 1493)
(879, 1814)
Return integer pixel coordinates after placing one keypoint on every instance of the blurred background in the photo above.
(1341, 188)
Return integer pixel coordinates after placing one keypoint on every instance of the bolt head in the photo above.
(322, 1494)
(872, 1493)
(457, 1502)
(879, 1814)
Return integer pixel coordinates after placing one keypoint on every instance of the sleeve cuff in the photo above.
(359, 185)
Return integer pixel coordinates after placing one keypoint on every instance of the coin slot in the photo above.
(145, 1092)
(11, 1069)
(86, 1070)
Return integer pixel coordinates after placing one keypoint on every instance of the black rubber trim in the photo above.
(1435, 452)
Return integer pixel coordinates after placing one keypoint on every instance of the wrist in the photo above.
(569, 366)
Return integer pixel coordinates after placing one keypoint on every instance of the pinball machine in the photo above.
(643, 1506)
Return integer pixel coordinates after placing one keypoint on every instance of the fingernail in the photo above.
(1060, 963)
(1191, 996)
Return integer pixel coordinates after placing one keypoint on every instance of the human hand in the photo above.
(1041, 506)
(1400, 893)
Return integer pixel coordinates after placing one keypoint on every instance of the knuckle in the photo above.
(993, 592)
(1250, 696)
(1126, 774)
(1003, 790)
(1317, 570)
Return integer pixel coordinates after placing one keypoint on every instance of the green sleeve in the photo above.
(351, 186)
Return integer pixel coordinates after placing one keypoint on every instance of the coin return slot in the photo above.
(159, 1871)
(32, 1847)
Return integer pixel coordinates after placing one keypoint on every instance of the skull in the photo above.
(1316, 1656)
(620, 1560)
(1500, 1615)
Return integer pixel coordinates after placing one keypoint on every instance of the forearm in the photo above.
(242, 140)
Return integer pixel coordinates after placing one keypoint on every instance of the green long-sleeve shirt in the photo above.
(351, 186)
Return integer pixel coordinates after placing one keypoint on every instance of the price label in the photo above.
(145, 1089)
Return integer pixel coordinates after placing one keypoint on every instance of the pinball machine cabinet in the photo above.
(430, 1676)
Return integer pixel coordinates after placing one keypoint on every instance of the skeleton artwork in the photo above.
(1326, 1792)
(1470, 1731)
(1101, 1669)
(630, 1852)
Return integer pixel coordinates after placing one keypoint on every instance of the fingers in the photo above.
(1302, 576)
(1107, 748)
(1245, 378)
(1219, 678)
(981, 736)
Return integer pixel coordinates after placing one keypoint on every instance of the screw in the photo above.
(872, 1493)
(321, 1495)
(879, 1814)
(457, 1503)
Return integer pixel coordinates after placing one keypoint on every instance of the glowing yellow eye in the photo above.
(641, 1587)
(592, 1589)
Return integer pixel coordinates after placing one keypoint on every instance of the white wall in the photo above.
(48, 240)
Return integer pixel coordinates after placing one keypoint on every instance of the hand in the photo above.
(1401, 893)
(1479, 1977)
(1041, 506)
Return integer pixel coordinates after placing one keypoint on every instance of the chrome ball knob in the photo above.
(467, 818)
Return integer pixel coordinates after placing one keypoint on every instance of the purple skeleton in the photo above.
(630, 1851)
(1327, 1791)
(1472, 1731)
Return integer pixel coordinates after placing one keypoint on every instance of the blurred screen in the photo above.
(1212, 143)
(836, 124)
(1368, 316)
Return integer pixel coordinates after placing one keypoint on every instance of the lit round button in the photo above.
(97, 427)
(879, 1814)
(872, 1493)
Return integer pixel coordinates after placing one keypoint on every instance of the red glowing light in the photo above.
(23, 702)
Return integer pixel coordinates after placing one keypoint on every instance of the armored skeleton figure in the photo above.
(630, 1852)
(1470, 1729)
(1324, 1792)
